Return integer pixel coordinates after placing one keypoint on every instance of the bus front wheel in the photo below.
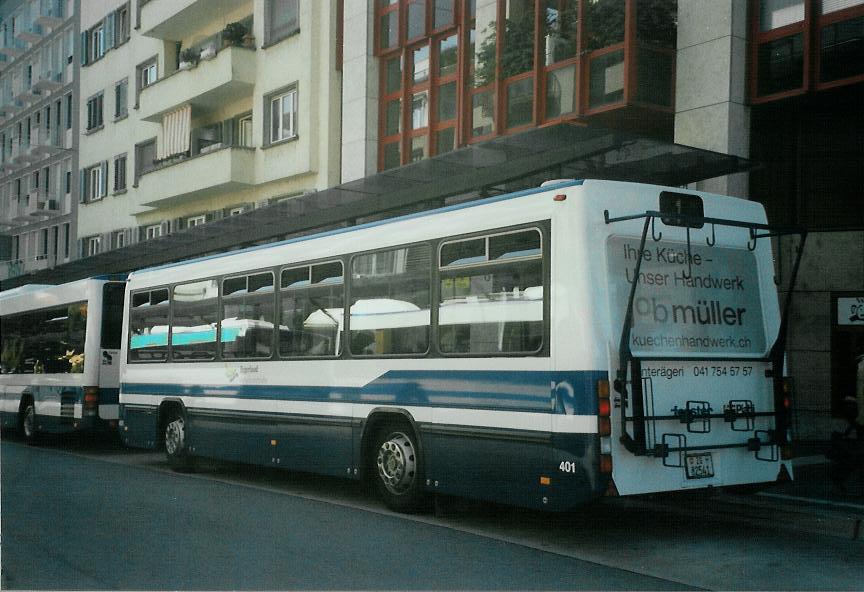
(176, 449)
(396, 463)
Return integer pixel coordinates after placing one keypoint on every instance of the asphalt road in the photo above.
(101, 518)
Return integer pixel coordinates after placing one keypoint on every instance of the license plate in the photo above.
(699, 466)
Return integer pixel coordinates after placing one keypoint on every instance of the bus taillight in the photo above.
(91, 400)
(604, 425)
(787, 393)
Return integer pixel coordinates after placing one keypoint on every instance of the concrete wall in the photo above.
(710, 85)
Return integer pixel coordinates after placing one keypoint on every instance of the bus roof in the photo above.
(471, 204)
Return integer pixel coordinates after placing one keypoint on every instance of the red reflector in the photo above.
(787, 403)
(606, 463)
(91, 396)
(604, 408)
(560, 197)
(611, 490)
(604, 426)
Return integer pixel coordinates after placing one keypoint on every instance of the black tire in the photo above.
(396, 466)
(27, 422)
(174, 437)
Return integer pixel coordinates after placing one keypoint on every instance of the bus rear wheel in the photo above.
(176, 449)
(27, 422)
(396, 463)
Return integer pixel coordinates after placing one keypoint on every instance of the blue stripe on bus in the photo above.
(544, 392)
(229, 334)
(455, 207)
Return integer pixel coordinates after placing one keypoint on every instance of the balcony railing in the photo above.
(216, 170)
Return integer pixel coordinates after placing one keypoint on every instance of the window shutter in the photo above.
(80, 248)
(176, 225)
(103, 191)
(82, 186)
(166, 227)
(85, 47)
(110, 30)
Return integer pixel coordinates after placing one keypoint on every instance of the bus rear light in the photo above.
(604, 409)
(604, 426)
(787, 393)
(603, 389)
(606, 464)
(91, 400)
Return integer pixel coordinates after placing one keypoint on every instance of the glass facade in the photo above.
(455, 72)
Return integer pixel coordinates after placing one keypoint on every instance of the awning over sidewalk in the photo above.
(507, 163)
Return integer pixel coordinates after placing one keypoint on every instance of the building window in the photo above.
(94, 112)
(93, 244)
(121, 24)
(153, 231)
(67, 238)
(797, 49)
(97, 42)
(68, 111)
(236, 211)
(193, 221)
(146, 74)
(120, 173)
(283, 116)
(244, 128)
(145, 158)
(94, 181)
(121, 99)
(282, 19)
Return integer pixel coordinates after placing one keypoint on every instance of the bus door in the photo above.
(109, 350)
(698, 391)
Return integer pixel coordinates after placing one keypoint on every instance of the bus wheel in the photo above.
(396, 461)
(27, 422)
(175, 441)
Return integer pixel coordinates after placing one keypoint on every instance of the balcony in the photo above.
(218, 171)
(45, 143)
(11, 52)
(215, 82)
(49, 82)
(30, 36)
(173, 20)
(46, 209)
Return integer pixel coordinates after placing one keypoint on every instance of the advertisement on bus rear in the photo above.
(702, 300)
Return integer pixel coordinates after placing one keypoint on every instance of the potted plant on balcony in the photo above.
(189, 58)
(232, 34)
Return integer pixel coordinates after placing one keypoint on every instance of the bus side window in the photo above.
(248, 305)
(148, 326)
(311, 320)
(492, 295)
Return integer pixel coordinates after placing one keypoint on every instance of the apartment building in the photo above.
(38, 134)
(193, 110)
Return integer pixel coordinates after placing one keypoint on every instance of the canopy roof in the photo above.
(503, 164)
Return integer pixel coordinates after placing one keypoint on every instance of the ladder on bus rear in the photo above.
(639, 418)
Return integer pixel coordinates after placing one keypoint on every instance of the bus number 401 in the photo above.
(567, 466)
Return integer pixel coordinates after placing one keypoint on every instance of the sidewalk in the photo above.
(812, 502)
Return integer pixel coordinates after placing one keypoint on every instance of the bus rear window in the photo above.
(112, 315)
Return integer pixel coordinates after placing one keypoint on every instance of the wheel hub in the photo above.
(397, 463)
(174, 436)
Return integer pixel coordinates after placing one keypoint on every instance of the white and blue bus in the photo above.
(539, 348)
(59, 366)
